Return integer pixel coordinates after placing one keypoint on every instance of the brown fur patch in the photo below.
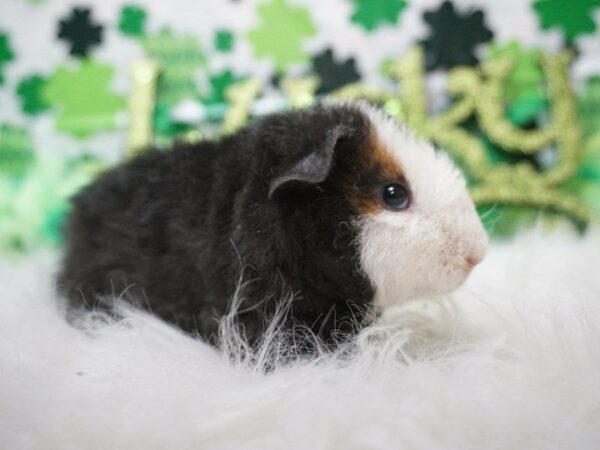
(375, 167)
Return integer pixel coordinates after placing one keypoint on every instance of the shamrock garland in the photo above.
(83, 98)
(453, 37)
(370, 14)
(80, 32)
(281, 33)
(332, 74)
(30, 92)
(132, 21)
(573, 17)
(6, 54)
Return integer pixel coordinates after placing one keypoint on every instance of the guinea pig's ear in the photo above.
(310, 170)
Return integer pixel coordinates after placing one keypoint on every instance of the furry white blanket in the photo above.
(512, 361)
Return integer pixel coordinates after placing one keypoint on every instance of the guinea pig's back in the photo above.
(128, 226)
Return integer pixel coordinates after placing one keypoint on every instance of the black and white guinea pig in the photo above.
(336, 205)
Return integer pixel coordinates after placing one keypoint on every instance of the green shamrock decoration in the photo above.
(178, 57)
(281, 33)
(453, 36)
(6, 54)
(224, 40)
(80, 32)
(132, 21)
(30, 92)
(573, 17)
(370, 14)
(333, 74)
(16, 150)
(83, 98)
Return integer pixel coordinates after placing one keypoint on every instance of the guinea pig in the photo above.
(337, 206)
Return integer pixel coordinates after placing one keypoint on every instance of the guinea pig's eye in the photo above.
(395, 196)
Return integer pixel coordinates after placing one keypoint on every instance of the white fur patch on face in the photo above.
(431, 247)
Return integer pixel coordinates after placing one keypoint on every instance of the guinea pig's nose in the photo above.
(475, 255)
(473, 259)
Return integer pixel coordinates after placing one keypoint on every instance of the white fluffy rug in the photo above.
(512, 361)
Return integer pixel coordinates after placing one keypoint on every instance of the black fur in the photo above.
(176, 229)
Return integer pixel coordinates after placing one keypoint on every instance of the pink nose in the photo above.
(473, 259)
